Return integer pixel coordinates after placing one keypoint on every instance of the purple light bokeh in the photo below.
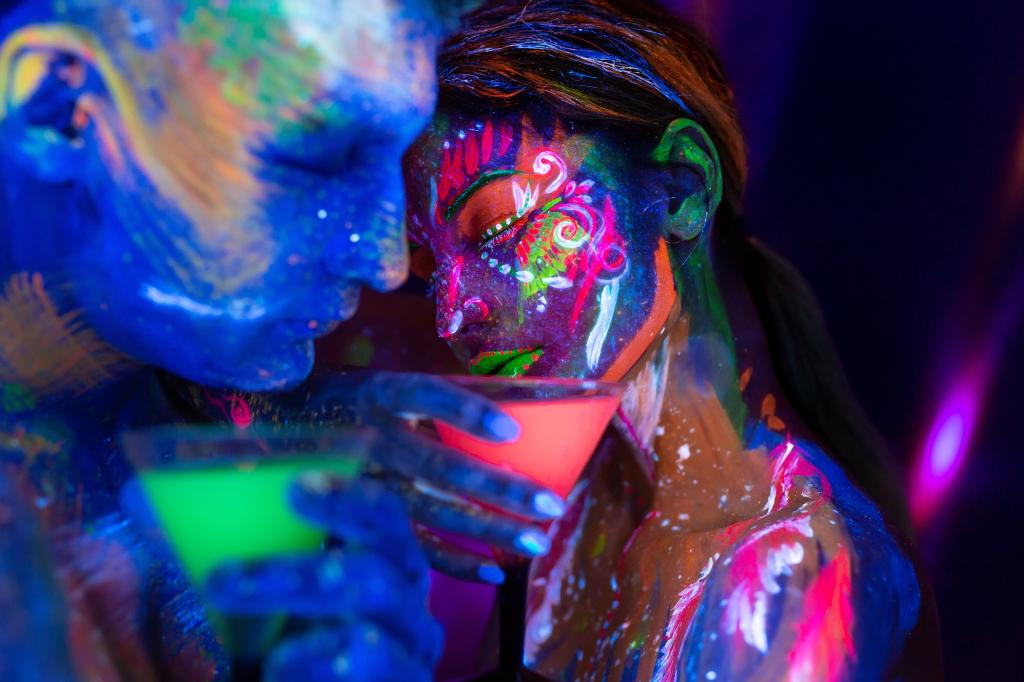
(946, 445)
(941, 459)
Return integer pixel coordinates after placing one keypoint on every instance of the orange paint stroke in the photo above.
(661, 308)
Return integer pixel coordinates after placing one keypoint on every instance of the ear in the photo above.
(694, 179)
(48, 93)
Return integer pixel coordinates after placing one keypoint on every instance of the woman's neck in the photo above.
(715, 348)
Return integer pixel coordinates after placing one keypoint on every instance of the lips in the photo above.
(505, 363)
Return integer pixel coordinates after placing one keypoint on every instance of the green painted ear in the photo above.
(686, 146)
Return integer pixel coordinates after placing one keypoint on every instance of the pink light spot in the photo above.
(945, 447)
(949, 442)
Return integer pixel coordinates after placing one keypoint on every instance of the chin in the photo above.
(270, 369)
(555, 365)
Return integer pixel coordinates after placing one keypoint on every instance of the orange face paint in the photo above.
(664, 299)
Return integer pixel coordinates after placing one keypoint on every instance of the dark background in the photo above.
(887, 159)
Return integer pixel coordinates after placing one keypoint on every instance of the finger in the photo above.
(364, 513)
(333, 585)
(357, 651)
(458, 562)
(321, 585)
(431, 396)
(339, 506)
(416, 457)
(443, 511)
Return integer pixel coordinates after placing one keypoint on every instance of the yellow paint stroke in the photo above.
(29, 72)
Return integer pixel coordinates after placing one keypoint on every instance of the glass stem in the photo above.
(512, 605)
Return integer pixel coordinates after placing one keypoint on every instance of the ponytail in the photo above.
(811, 374)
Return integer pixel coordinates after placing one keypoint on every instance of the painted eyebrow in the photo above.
(482, 180)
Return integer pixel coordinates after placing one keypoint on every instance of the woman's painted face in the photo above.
(546, 260)
(236, 169)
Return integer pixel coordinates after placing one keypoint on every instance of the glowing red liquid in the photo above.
(558, 436)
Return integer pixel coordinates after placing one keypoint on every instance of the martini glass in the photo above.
(220, 494)
(561, 423)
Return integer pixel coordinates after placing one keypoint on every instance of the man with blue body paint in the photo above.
(203, 188)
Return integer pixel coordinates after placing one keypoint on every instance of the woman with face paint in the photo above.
(576, 206)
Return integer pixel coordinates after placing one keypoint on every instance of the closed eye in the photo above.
(501, 232)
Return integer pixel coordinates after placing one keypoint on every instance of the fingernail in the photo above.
(548, 504)
(533, 543)
(490, 573)
(502, 426)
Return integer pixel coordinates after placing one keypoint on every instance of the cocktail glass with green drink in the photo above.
(220, 494)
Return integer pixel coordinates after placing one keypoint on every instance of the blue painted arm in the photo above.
(33, 627)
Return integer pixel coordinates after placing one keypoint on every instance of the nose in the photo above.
(472, 311)
(456, 308)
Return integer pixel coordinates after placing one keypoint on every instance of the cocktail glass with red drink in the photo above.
(561, 422)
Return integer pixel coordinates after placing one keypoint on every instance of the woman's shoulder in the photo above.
(815, 582)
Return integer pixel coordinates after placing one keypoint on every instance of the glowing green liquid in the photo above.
(235, 513)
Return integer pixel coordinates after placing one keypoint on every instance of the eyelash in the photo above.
(501, 232)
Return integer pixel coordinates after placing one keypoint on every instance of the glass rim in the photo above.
(573, 387)
(201, 445)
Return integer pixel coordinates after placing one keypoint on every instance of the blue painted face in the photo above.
(211, 183)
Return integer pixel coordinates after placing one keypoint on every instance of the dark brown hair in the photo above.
(595, 60)
(633, 65)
